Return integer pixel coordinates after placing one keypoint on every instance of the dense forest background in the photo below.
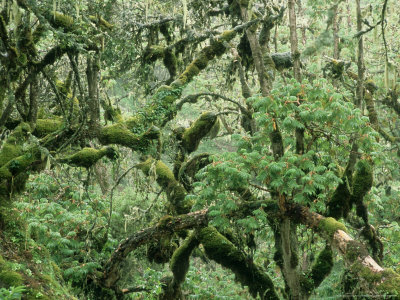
(211, 149)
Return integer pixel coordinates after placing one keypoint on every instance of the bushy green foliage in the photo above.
(69, 222)
(307, 178)
(13, 293)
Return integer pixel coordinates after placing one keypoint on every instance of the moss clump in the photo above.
(60, 20)
(20, 164)
(323, 266)
(282, 60)
(112, 114)
(180, 259)
(244, 3)
(201, 62)
(176, 193)
(362, 183)
(390, 284)
(9, 278)
(355, 250)
(119, 134)
(47, 126)
(38, 33)
(227, 35)
(161, 251)
(2, 263)
(134, 122)
(319, 271)
(200, 128)
(165, 220)
(87, 157)
(153, 53)
(25, 42)
(216, 48)
(339, 205)
(190, 72)
(220, 249)
(100, 22)
(329, 226)
(170, 62)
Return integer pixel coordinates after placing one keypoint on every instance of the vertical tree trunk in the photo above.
(293, 40)
(257, 53)
(287, 228)
(335, 27)
(92, 73)
(33, 105)
(360, 59)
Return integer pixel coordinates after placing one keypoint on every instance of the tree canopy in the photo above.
(199, 149)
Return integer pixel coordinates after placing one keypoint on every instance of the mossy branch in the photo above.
(87, 157)
(199, 129)
(152, 234)
(354, 253)
(176, 193)
(179, 266)
(319, 271)
(221, 250)
(120, 134)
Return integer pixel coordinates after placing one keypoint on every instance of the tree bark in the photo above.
(92, 73)
(360, 59)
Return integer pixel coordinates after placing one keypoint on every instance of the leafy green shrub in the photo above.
(13, 293)
(69, 222)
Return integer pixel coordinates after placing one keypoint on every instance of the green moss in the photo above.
(227, 35)
(244, 3)
(180, 259)
(165, 220)
(355, 250)
(161, 251)
(153, 53)
(201, 62)
(3, 29)
(319, 271)
(134, 122)
(34, 294)
(190, 72)
(329, 226)
(25, 42)
(322, 266)
(9, 278)
(119, 134)
(102, 23)
(176, 193)
(13, 146)
(362, 180)
(20, 164)
(60, 20)
(47, 126)
(2, 263)
(200, 128)
(87, 157)
(339, 205)
(38, 33)
(390, 284)
(220, 249)
(170, 62)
